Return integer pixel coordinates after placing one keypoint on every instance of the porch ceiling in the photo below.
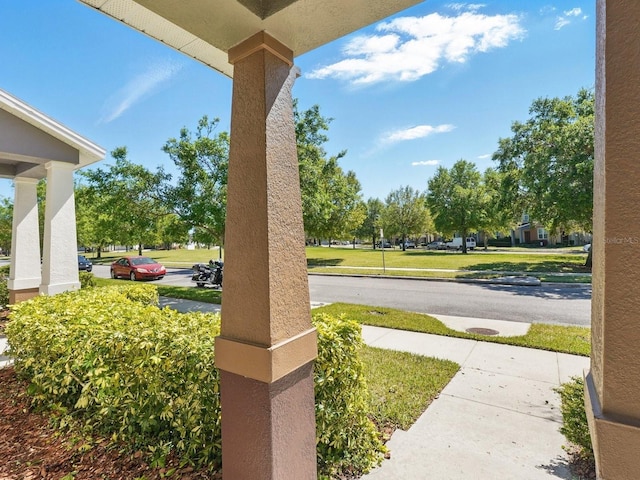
(207, 29)
(29, 139)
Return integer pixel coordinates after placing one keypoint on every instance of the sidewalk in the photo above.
(497, 419)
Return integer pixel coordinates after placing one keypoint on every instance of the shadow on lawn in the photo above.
(545, 266)
(324, 262)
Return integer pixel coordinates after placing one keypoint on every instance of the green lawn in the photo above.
(556, 338)
(402, 385)
(318, 257)
(546, 264)
(170, 258)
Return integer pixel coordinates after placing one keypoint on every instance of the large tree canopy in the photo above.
(124, 196)
(199, 195)
(547, 165)
(456, 199)
(331, 201)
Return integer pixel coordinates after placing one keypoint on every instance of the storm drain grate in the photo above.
(482, 331)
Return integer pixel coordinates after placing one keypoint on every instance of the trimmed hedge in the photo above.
(120, 366)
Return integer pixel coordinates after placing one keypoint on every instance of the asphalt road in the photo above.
(541, 304)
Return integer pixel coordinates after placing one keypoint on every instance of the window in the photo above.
(542, 234)
(525, 218)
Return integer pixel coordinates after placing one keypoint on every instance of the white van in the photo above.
(456, 243)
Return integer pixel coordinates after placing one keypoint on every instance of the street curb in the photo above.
(519, 281)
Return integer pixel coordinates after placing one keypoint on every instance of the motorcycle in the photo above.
(211, 274)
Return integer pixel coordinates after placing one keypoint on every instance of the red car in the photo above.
(137, 268)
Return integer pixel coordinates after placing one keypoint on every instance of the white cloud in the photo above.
(139, 87)
(564, 20)
(408, 48)
(486, 155)
(419, 131)
(466, 6)
(428, 163)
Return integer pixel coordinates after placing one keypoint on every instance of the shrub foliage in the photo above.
(575, 426)
(121, 367)
(347, 440)
(4, 290)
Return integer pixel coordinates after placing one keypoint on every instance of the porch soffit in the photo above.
(206, 29)
(29, 139)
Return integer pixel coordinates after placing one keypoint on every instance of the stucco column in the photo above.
(60, 249)
(267, 345)
(613, 383)
(24, 276)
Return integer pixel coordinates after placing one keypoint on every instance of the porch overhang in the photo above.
(29, 140)
(206, 29)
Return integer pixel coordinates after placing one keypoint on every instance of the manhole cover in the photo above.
(483, 331)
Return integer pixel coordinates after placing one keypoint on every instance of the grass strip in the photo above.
(207, 295)
(555, 338)
(402, 385)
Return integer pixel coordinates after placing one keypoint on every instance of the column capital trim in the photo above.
(261, 41)
(266, 364)
(60, 165)
(27, 180)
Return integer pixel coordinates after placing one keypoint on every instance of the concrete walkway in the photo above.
(497, 419)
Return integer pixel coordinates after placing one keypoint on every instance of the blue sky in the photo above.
(433, 84)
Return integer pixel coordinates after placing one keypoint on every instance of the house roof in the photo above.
(206, 29)
(29, 139)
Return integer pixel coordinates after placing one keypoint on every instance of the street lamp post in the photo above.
(384, 268)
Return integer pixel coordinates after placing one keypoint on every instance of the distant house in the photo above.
(530, 232)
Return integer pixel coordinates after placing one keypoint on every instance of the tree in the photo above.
(199, 197)
(332, 205)
(495, 218)
(455, 199)
(405, 213)
(547, 165)
(125, 197)
(370, 226)
(6, 224)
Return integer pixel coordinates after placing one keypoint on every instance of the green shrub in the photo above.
(4, 290)
(574, 418)
(87, 280)
(123, 368)
(347, 440)
(120, 366)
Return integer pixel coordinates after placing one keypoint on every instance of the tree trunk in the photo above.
(464, 242)
(589, 261)
(140, 249)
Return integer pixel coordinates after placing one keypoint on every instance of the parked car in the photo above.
(84, 264)
(137, 268)
(436, 246)
(587, 247)
(386, 245)
(409, 245)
